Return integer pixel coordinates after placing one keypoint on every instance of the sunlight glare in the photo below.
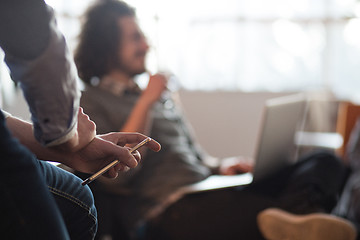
(357, 9)
(351, 32)
(291, 37)
(283, 63)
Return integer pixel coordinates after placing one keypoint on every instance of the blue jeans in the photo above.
(39, 200)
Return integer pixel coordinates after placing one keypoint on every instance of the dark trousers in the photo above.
(38, 200)
(311, 185)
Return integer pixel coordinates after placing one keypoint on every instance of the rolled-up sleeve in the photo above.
(48, 81)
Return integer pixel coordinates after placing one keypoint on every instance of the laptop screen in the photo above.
(282, 118)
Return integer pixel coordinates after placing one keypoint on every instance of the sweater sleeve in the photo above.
(38, 58)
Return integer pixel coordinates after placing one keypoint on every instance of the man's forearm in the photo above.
(23, 131)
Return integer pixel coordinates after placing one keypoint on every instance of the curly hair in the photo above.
(96, 53)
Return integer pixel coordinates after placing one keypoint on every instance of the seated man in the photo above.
(110, 54)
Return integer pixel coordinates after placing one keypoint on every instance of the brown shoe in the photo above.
(276, 224)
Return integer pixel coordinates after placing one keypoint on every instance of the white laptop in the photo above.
(283, 118)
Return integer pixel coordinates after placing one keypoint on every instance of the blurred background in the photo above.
(257, 45)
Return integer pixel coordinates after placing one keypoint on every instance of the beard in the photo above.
(134, 66)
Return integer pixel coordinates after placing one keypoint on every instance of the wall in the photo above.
(226, 123)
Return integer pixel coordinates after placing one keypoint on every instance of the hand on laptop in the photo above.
(235, 165)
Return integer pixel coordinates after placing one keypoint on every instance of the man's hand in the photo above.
(106, 148)
(235, 165)
(96, 152)
(156, 86)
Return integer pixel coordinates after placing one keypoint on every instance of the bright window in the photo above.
(246, 45)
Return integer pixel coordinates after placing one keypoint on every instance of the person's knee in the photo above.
(82, 195)
(76, 203)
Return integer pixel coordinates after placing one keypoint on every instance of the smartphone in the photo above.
(110, 165)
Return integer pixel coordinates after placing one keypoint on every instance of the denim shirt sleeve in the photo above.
(49, 84)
